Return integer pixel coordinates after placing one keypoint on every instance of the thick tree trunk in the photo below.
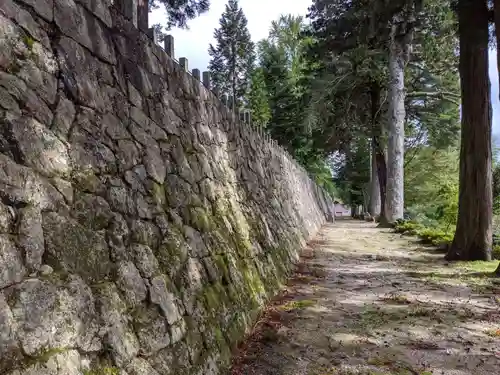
(382, 180)
(374, 207)
(497, 32)
(473, 235)
(375, 189)
(395, 165)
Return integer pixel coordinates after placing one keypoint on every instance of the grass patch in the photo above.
(396, 298)
(297, 305)
(429, 236)
(479, 266)
(494, 332)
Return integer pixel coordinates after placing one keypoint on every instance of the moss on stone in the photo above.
(85, 179)
(158, 193)
(43, 356)
(254, 285)
(236, 329)
(172, 252)
(105, 370)
(211, 299)
(28, 42)
(221, 263)
(200, 220)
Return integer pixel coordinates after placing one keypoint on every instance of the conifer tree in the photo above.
(233, 56)
(259, 99)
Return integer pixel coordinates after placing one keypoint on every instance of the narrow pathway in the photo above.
(368, 301)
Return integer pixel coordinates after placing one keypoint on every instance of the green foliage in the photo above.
(179, 12)
(430, 236)
(258, 99)
(431, 186)
(233, 56)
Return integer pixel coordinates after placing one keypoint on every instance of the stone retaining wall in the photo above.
(142, 225)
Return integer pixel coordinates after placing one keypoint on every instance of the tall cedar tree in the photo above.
(233, 57)
(497, 32)
(473, 235)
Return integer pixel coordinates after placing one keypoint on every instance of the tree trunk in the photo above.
(497, 33)
(395, 165)
(375, 188)
(382, 179)
(473, 234)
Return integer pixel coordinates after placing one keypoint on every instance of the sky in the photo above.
(193, 43)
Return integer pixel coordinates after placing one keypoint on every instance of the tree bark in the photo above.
(496, 13)
(473, 235)
(395, 165)
(375, 186)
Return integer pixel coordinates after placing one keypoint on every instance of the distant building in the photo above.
(342, 210)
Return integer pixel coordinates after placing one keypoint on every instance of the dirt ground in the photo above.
(371, 302)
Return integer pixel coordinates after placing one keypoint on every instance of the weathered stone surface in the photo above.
(25, 20)
(130, 282)
(63, 362)
(77, 23)
(144, 259)
(99, 8)
(140, 366)
(63, 118)
(76, 248)
(153, 332)
(155, 165)
(38, 146)
(118, 335)
(92, 211)
(6, 218)
(11, 265)
(166, 300)
(120, 199)
(82, 74)
(50, 316)
(31, 239)
(10, 352)
(44, 8)
(90, 152)
(20, 91)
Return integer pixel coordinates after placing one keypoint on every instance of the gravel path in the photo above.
(367, 301)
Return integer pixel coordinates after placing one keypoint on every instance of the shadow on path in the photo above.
(367, 301)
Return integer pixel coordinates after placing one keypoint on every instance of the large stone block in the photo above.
(79, 24)
(50, 316)
(76, 248)
(83, 74)
(21, 185)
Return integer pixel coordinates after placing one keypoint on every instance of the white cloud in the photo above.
(193, 43)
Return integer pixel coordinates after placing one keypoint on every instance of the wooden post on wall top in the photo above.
(129, 9)
(197, 74)
(183, 62)
(169, 46)
(142, 15)
(206, 80)
(153, 35)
